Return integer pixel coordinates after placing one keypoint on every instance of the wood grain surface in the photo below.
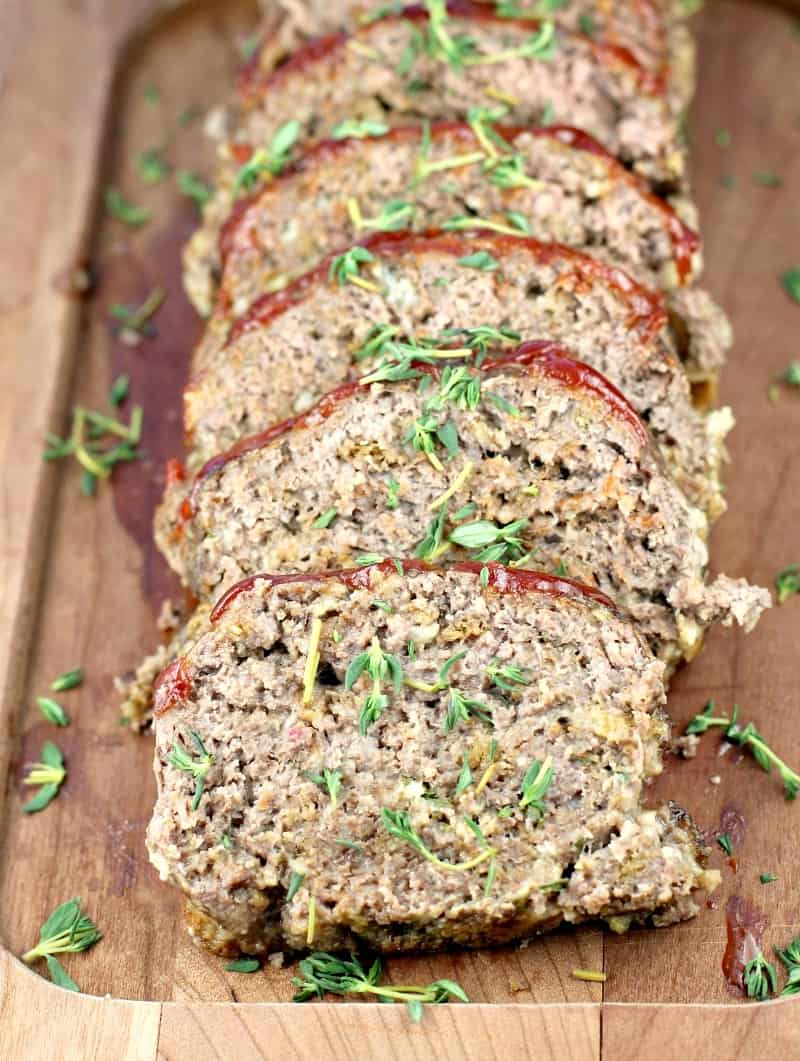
(82, 584)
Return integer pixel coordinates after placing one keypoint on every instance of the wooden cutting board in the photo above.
(82, 582)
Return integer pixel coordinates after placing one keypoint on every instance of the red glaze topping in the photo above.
(235, 231)
(503, 579)
(172, 687)
(254, 83)
(551, 359)
(647, 312)
(745, 924)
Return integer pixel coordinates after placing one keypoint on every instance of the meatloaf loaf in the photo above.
(300, 343)
(412, 758)
(555, 183)
(533, 457)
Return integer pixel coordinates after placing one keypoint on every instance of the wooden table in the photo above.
(82, 583)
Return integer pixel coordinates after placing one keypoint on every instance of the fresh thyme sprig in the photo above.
(397, 824)
(787, 582)
(394, 215)
(196, 768)
(68, 680)
(323, 973)
(352, 128)
(381, 667)
(136, 321)
(461, 708)
(194, 187)
(749, 738)
(535, 784)
(331, 780)
(50, 773)
(506, 676)
(344, 269)
(490, 542)
(66, 931)
(269, 161)
(442, 679)
(122, 209)
(790, 957)
(431, 545)
(52, 711)
(760, 978)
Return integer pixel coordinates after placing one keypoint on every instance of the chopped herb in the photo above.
(791, 282)
(587, 24)
(760, 978)
(397, 824)
(767, 179)
(506, 676)
(392, 488)
(519, 221)
(152, 166)
(440, 44)
(464, 777)
(505, 812)
(331, 780)
(190, 114)
(535, 785)
(490, 542)
(151, 94)
(466, 222)
(461, 708)
(345, 267)
(480, 260)
(269, 161)
(746, 737)
(383, 605)
(358, 129)
(540, 45)
(465, 511)
(790, 957)
(226, 842)
(767, 878)
(294, 885)
(323, 973)
(484, 577)
(196, 768)
(122, 209)
(380, 667)
(431, 545)
(728, 180)
(724, 842)
(589, 975)
(312, 660)
(395, 214)
(96, 462)
(562, 570)
(66, 931)
(723, 138)
(52, 711)
(249, 46)
(50, 774)
(136, 321)
(119, 390)
(394, 7)
(366, 559)
(325, 520)
(243, 965)
(787, 582)
(193, 187)
(70, 679)
(351, 845)
(411, 650)
(510, 173)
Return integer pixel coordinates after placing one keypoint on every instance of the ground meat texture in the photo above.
(576, 194)
(590, 703)
(278, 363)
(544, 440)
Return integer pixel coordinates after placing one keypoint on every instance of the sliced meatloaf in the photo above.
(653, 32)
(298, 344)
(555, 183)
(412, 758)
(533, 457)
(439, 66)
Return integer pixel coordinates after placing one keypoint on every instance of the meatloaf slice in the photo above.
(440, 65)
(532, 456)
(412, 758)
(555, 183)
(298, 344)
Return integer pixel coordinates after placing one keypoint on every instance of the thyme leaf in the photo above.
(196, 768)
(268, 161)
(331, 780)
(50, 774)
(535, 784)
(66, 931)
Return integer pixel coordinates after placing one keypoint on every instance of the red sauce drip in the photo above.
(235, 232)
(502, 579)
(547, 356)
(254, 83)
(647, 309)
(172, 687)
(745, 924)
(174, 472)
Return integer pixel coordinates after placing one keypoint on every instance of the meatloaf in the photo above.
(554, 183)
(533, 457)
(300, 343)
(410, 758)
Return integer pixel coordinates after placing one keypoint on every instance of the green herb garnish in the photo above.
(243, 965)
(380, 667)
(461, 708)
(344, 269)
(331, 780)
(506, 676)
(397, 824)
(52, 711)
(464, 777)
(68, 680)
(295, 882)
(196, 768)
(724, 842)
(490, 542)
(119, 390)
(152, 165)
(270, 161)
(360, 130)
(760, 978)
(749, 738)
(723, 138)
(96, 462)
(535, 785)
(392, 488)
(66, 931)
(325, 519)
(481, 260)
(790, 957)
(787, 582)
(767, 878)
(791, 283)
(431, 545)
(193, 187)
(50, 774)
(122, 209)
(135, 320)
